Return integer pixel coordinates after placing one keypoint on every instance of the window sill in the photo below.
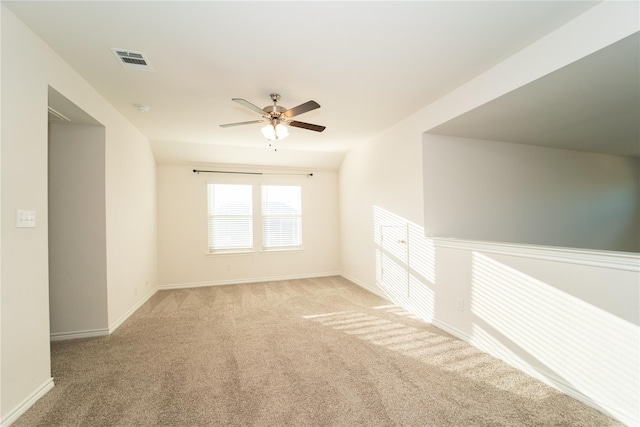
(231, 253)
(254, 252)
(279, 251)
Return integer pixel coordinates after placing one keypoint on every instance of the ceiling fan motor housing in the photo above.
(274, 110)
(270, 109)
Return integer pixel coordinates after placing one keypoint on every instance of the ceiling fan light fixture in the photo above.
(275, 132)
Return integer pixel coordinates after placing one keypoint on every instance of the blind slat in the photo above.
(281, 217)
(230, 217)
(230, 225)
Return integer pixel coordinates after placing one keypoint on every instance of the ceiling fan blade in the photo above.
(249, 105)
(302, 108)
(228, 125)
(309, 126)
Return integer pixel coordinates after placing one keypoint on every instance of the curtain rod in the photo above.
(198, 171)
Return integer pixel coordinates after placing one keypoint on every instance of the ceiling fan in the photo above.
(277, 117)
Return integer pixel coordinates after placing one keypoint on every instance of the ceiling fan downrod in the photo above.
(274, 110)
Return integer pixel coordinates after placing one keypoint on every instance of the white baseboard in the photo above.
(242, 281)
(63, 336)
(456, 333)
(549, 379)
(15, 413)
(132, 310)
(373, 290)
(90, 333)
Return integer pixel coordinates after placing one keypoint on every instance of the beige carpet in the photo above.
(312, 352)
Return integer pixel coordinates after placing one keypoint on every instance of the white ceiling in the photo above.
(590, 105)
(368, 64)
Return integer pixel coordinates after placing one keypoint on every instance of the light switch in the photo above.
(26, 219)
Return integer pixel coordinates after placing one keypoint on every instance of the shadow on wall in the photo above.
(585, 351)
(405, 263)
(579, 345)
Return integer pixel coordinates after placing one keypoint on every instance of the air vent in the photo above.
(55, 116)
(132, 60)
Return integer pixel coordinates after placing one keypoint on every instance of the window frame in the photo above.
(257, 219)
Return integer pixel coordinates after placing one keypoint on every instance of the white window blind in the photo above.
(230, 217)
(281, 217)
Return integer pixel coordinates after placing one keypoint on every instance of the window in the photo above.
(281, 217)
(230, 210)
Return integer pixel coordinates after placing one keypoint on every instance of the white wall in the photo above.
(29, 67)
(77, 231)
(182, 229)
(583, 304)
(503, 192)
(132, 271)
(1, 145)
(24, 360)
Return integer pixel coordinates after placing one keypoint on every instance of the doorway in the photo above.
(77, 222)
